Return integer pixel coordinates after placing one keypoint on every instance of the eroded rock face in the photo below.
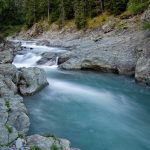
(143, 70)
(13, 113)
(47, 143)
(111, 54)
(8, 134)
(6, 56)
(8, 70)
(32, 80)
(46, 57)
(146, 16)
(108, 27)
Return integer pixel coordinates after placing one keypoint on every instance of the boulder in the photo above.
(8, 70)
(146, 15)
(108, 27)
(142, 72)
(20, 121)
(7, 87)
(18, 114)
(47, 143)
(32, 80)
(8, 134)
(46, 57)
(39, 141)
(6, 57)
(64, 57)
(3, 112)
(5, 148)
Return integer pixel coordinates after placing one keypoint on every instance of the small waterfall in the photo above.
(56, 62)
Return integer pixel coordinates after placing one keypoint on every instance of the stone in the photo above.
(39, 141)
(6, 87)
(46, 143)
(108, 27)
(5, 148)
(111, 54)
(3, 112)
(8, 134)
(146, 15)
(8, 70)
(20, 121)
(143, 70)
(64, 57)
(6, 56)
(32, 80)
(46, 57)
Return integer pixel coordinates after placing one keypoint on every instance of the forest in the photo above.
(27, 12)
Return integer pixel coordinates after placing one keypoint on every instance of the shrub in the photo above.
(116, 7)
(9, 128)
(35, 148)
(146, 25)
(7, 104)
(54, 147)
(137, 7)
(80, 16)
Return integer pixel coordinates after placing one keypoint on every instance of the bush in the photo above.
(116, 7)
(146, 25)
(80, 16)
(9, 128)
(137, 7)
(35, 148)
(54, 147)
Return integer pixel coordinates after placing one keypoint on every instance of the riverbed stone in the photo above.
(6, 56)
(3, 112)
(32, 80)
(48, 57)
(8, 134)
(146, 15)
(8, 70)
(143, 70)
(46, 143)
(108, 27)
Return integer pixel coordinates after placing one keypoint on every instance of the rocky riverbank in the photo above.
(14, 122)
(123, 50)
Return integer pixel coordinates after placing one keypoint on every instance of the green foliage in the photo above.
(7, 104)
(116, 7)
(137, 6)
(9, 128)
(54, 147)
(35, 148)
(146, 25)
(15, 13)
(80, 16)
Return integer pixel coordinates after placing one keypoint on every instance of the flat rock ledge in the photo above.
(14, 120)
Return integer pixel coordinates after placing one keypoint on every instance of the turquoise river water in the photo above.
(95, 111)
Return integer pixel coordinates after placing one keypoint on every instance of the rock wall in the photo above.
(14, 120)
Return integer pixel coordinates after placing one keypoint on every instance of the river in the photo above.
(95, 111)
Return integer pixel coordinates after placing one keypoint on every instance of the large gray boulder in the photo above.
(143, 70)
(6, 56)
(48, 57)
(18, 114)
(7, 87)
(3, 112)
(32, 80)
(108, 27)
(8, 70)
(146, 15)
(8, 134)
(48, 143)
(111, 54)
